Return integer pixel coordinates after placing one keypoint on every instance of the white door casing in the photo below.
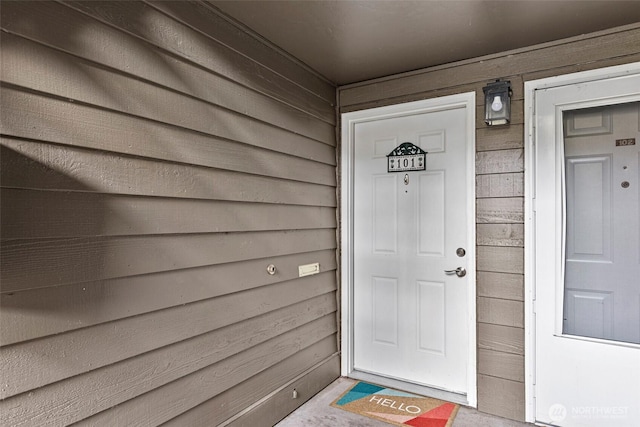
(570, 380)
(423, 330)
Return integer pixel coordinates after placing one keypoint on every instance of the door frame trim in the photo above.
(348, 122)
(530, 88)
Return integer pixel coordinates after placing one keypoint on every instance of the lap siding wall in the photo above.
(499, 186)
(155, 160)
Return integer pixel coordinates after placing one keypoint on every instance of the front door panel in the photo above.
(410, 317)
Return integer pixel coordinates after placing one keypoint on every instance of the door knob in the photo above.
(460, 272)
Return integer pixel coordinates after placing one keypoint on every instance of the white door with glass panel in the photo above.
(587, 227)
(411, 317)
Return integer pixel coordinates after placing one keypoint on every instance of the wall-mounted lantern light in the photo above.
(497, 103)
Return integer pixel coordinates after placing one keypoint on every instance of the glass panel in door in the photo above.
(602, 222)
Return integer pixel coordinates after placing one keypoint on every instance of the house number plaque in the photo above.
(625, 142)
(407, 157)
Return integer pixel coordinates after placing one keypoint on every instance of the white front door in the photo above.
(411, 320)
(587, 258)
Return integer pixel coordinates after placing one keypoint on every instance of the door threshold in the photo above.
(436, 393)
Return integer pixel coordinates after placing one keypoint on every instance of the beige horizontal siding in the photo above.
(499, 185)
(26, 314)
(216, 365)
(501, 364)
(500, 234)
(501, 338)
(146, 215)
(220, 408)
(500, 210)
(500, 285)
(109, 343)
(152, 168)
(509, 400)
(499, 138)
(265, 412)
(205, 18)
(106, 88)
(160, 43)
(29, 115)
(161, 405)
(39, 263)
(40, 165)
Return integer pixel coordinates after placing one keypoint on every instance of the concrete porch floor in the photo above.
(318, 412)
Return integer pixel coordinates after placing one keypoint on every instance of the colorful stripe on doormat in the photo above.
(396, 407)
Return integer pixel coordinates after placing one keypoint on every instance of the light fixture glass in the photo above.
(497, 103)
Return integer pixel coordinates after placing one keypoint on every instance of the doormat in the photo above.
(396, 407)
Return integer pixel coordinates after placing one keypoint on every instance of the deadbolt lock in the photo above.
(461, 252)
